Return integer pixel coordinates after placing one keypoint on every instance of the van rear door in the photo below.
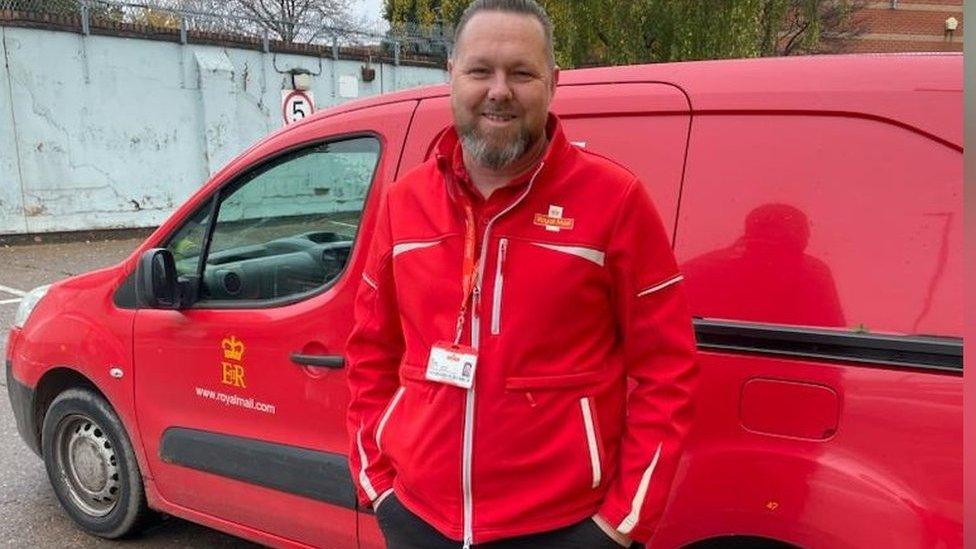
(822, 255)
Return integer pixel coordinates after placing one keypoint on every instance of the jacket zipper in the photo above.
(467, 441)
(496, 296)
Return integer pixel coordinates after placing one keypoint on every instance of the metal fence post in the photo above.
(265, 42)
(85, 18)
(335, 68)
(396, 53)
(183, 29)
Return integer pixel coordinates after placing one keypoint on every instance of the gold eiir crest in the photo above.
(233, 348)
(231, 368)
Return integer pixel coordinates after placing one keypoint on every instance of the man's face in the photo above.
(501, 86)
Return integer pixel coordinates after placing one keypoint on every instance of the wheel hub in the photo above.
(87, 462)
(89, 465)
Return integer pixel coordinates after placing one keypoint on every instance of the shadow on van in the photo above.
(765, 275)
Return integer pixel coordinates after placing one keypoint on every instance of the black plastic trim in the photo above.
(942, 354)
(322, 476)
(22, 402)
(323, 361)
(125, 294)
(211, 226)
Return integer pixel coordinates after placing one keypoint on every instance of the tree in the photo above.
(57, 7)
(433, 19)
(285, 20)
(421, 27)
(153, 17)
(301, 21)
(69, 8)
(610, 32)
(795, 27)
(295, 20)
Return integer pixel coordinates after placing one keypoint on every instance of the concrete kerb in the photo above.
(73, 236)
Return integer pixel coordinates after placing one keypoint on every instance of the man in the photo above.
(548, 270)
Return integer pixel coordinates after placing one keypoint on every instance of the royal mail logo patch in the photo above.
(555, 221)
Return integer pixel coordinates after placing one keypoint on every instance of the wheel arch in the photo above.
(740, 542)
(54, 382)
(68, 404)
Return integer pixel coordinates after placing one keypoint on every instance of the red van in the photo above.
(816, 210)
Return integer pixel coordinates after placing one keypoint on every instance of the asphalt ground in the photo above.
(30, 514)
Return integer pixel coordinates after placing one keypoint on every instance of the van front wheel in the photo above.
(91, 465)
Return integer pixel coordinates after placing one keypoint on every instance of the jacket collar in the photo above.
(450, 163)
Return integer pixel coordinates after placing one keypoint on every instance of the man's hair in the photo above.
(520, 7)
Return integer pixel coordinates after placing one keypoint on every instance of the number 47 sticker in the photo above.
(296, 104)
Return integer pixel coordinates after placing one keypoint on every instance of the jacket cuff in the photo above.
(641, 533)
(381, 484)
(382, 495)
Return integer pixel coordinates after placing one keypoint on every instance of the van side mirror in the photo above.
(157, 285)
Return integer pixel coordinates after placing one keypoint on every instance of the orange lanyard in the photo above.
(469, 268)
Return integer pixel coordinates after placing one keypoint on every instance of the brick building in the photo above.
(909, 25)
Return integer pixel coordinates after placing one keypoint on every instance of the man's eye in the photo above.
(478, 71)
(523, 75)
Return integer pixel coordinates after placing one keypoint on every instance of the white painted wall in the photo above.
(100, 132)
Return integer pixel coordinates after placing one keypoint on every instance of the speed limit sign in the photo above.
(296, 104)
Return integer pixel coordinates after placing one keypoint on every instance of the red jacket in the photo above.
(578, 291)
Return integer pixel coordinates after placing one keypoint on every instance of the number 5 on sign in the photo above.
(296, 104)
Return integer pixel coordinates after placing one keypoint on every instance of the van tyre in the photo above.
(91, 465)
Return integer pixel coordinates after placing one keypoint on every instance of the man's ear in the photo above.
(450, 68)
(555, 81)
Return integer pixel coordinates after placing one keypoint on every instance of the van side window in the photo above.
(824, 221)
(286, 228)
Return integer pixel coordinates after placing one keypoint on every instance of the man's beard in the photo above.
(493, 157)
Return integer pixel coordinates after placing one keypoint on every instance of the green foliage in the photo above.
(56, 7)
(65, 8)
(155, 18)
(423, 15)
(615, 32)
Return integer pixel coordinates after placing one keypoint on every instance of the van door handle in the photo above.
(322, 361)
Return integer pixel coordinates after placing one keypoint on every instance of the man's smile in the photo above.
(498, 118)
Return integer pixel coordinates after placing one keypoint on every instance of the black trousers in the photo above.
(405, 530)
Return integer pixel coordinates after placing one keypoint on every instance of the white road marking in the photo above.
(8, 301)
(350, 225)
(10, 290)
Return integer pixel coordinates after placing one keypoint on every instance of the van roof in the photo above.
(863, 83)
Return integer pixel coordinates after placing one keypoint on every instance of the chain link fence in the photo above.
(218, 22)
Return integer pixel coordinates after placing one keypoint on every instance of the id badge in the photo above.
(452, 364)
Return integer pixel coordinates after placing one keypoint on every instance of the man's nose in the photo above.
(499, 88)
